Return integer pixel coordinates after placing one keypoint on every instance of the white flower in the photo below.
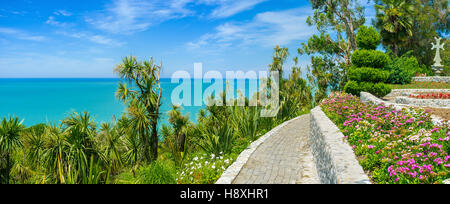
(214, 166)
(196, 158)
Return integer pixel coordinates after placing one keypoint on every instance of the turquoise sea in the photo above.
(50, 100)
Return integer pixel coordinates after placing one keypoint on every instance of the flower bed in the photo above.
(430, 96)
(422, 85)
(392, 146)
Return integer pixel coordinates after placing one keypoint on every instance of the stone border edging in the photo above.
(445, 79)
(406, 92)
(335, 160)
(234, 169)
(433, 103)
(369, 98)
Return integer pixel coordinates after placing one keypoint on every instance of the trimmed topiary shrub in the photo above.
(370, 58)
(368, 74)
(377, 89)
(368, 38)
(380, 89)
(352, 87)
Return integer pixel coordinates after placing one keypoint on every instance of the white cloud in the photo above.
(229, 8)
(129, 16)
(21, 35)
(99, 39)
(52, 21)
(266, 29)
(62, 13)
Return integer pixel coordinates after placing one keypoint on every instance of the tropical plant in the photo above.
(112, 146)
(429, 20)
(246, 121)
(175, 137)
(395, 21)
(143, 98)
(10, 133)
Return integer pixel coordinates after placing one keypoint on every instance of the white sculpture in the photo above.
(438, 47)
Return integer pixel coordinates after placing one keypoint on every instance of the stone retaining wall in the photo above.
(335, 160)
(445, 79)
(434, 103)
(406, 92)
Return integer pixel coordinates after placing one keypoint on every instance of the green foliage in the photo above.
(204, 168)
(246, 121)
(176, 136)
(10, 132)
(380, 89)
(143, 99)
(158, 172)
(370, 58)
(394, 19)
(368, 74)
(416, 22)
(352, 87)
(377, 89)
(402, 69)
(368, 38)
(295, 96)
(330, 50)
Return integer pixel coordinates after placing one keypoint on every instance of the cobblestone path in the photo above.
(284, 158)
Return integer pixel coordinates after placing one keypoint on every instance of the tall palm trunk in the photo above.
(8, 168)
(154, 139)
(146, 146)
(181, 142)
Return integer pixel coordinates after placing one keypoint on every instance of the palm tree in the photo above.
(81, 131)
(10, 132)
(179, 124)
(54, 154)
(394, 19)
(140, 121)
(175, 137)
(143, 98)
(279, 59)
(111, 138)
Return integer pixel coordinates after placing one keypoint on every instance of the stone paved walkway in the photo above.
(284, 158)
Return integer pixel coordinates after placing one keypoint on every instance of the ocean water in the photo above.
(50, 100)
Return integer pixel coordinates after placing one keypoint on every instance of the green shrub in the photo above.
(159, 172)
(378, 89)
(370, 58)
(368, 38)
(352, 87)
(368, 74)
(402, 69)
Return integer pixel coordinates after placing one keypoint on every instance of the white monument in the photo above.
(437, 67)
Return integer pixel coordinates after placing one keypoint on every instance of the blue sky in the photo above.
(73, 39)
